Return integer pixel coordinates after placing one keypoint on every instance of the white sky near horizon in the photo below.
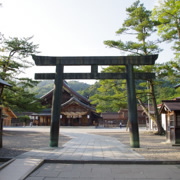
(69, 27)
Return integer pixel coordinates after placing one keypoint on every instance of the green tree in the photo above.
(24, 119)
(13, 61)
(168, 76)
(169, 71)
(90, 91)
(140, 25)
(167, 14)
(77, 86)
(111, 95)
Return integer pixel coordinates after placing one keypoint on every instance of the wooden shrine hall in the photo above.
(76, 109)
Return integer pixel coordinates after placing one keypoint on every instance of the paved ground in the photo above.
(19, 140)
(89, 145)
(105, 172)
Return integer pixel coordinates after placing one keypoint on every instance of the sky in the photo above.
(69, 27)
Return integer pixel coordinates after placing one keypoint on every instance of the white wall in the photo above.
(163, 120)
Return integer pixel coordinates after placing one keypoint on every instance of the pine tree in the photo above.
(13, 61)
(140, 25)
(167, 14)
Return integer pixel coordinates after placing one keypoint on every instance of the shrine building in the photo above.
(76, 109)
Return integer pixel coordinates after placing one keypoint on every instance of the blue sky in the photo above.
(69, 27)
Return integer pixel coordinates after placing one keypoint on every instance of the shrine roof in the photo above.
(170, 105)
(70, 90)
(7, 111)
(75, 100)
(45, 112)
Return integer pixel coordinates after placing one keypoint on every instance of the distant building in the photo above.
(110, 119)
(76, 110)
(113, 119)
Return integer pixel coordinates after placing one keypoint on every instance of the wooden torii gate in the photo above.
(94, 61)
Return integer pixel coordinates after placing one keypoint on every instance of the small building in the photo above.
(76, 110)
(170, 117)
(8, 115)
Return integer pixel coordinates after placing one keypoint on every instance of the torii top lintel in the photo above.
(94, 60)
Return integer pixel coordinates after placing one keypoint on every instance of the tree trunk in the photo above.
(156, 117)
(156, 113)
(150, 116)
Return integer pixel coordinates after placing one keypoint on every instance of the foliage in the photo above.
(78, 86)
(170, 71)
(24, 119)
(90, 91)
(111, 93)
(140, 25)
(168, 75)
(44, 87)
(168, 16)
(14, 52)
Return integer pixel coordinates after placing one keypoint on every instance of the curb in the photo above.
(141, 162)
(6, 161)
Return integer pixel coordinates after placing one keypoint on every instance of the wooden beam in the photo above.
(143, 76)
(94, 60)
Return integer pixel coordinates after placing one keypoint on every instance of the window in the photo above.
(178, 120)
(171, 120)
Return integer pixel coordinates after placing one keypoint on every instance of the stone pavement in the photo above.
(50, 171)
(89, 157)
(86, 147)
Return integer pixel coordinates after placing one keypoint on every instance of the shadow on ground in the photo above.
(18, 142)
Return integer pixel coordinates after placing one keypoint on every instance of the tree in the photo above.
(111, 95)
(140, 25)
(168, 76)
(14, 52)
(167, 14)
(90, 91)
(24, 119)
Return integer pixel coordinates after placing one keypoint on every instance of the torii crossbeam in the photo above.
(94, 61)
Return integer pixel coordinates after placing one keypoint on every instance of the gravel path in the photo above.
(18, 142)
(152, 147)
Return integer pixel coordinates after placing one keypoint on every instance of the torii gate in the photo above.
(94, 61)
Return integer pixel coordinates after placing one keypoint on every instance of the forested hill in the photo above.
(45, 86)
